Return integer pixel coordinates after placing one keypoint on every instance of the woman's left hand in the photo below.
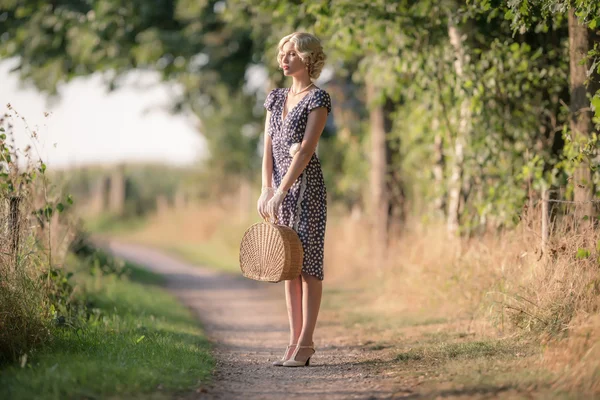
(275, 202)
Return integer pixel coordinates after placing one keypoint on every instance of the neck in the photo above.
(300, 83)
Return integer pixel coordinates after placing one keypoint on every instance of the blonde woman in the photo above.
(293, 189)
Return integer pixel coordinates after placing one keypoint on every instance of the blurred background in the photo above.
(471, 100)
(461, 157)
(457, 113)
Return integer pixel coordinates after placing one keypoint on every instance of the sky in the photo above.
(88, 125)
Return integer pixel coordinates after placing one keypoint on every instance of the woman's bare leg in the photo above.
(312, 290)
(293, 299)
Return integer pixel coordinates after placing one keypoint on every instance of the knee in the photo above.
(309, 278)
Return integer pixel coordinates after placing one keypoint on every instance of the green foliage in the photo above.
(234, 134)
(137, 338)
(578, 150)
(583, 253)
(97, 260)
(345, 163)
(465, 350)
(514, 80)
(539, 16)
(518, 81)
(185, 41)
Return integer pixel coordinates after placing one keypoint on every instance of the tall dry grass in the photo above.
(24, 303)
(558, 302)
(430, 275)
(24, 312)
(576, 358)
(550, 294)
(33, 244)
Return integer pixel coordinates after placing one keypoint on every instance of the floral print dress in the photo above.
(304, 208)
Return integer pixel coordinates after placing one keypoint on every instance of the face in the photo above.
(291, 62)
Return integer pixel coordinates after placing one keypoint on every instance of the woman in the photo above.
(295, 120)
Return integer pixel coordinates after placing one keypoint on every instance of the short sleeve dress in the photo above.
(304, 208)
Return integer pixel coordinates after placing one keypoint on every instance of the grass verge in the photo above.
(139, 342)
(215, 255)
(111, 225)
(212, 240)
(473, 365)
(437, 357)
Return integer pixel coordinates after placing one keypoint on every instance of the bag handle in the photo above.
(267, 220)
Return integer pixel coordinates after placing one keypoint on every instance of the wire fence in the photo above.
(560, 217)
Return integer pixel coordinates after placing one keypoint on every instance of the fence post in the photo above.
(14, 227)
(116, 193)
(545, 217)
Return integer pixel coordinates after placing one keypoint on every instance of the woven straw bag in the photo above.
(271, 253)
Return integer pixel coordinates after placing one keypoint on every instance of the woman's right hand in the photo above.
(265, 196)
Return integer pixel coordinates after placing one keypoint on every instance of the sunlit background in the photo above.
(89, 125)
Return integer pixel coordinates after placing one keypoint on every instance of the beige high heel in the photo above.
(279, 363)
(303, 363)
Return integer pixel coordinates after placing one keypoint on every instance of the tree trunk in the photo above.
(116, 202)
(379, 163)
(344, 108)
(581, 122)
(439, 203)
(463, 131)
(397, 207)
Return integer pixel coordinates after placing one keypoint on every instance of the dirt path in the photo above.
(247, 322)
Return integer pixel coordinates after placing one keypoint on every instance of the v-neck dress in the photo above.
(304, 208)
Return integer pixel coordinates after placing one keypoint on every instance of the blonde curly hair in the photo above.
(309, 49)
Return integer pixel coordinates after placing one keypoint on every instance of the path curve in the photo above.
(247, 322)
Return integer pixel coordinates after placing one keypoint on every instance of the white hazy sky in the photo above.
(89, 125)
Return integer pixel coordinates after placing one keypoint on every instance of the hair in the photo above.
(309, 49)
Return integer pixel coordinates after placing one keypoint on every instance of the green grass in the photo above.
(458, 365)
(138, 274)
(107, 224)
(220, 251)
(139, 343)
(213, 254)
(429, 349)
(354, 306)
(460, 350)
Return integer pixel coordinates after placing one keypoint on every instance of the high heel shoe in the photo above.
(279, 363)
(292, 362)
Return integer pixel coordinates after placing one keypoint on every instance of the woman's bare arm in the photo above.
(267, 162)
(314, 128)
